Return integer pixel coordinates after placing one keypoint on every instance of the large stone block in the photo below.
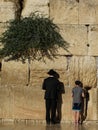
(69, 68)
(74, 12)
(6, 102)
(82, 39)
(22, 102)
(76, 36)
(28, 103)
(6, 11)
(88, 12)
(38, 73)
(67, 113)
(92, 113)
(64, 11)
(84, 69)
(14, 73)
(2, 27)
(92, 40)
(33, 6)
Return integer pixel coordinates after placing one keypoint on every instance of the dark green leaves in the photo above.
(33, 37)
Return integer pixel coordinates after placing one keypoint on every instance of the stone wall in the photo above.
(19, 103)
(78, 23)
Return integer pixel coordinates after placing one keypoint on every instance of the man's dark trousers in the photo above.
(51, 111)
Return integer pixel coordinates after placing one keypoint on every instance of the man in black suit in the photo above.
(50, 85)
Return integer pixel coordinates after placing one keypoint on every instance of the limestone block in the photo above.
(6, 11)
(14, 73)
(29, 103)
(39, 70)
(2, 27)
(88, 12)
(72, 68)
(38, 5)
(84, 69)
(67, 113)
(93, 40)
(64, 11)
(92, 106)
(57, 63)
(97, 70)
(6, 102)
(92, 113)
(73, 12)
(76, 36)
(22, 102)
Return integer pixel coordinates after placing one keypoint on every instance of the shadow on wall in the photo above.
(60, 102)
(19, 5)
(0, 66)
(85, 101)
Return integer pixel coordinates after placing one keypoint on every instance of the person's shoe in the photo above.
(57, 122)
(53, 122)
(48, 123)
(76, 123)
(80, 122)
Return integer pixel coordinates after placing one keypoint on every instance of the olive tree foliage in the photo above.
(33, 37)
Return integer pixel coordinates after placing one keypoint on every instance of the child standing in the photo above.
(77, 94)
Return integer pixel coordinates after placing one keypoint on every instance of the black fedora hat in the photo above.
(51, 72)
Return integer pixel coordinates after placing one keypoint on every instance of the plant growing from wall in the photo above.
(31, 38)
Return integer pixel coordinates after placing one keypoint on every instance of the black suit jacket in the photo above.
(50, 85)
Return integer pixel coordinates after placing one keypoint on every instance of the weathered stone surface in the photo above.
(21, 102)
(24, 102)
(17, 73)
(2, 28)
(29, 103)
(69, 68)
(88, 12)
(6, 102)
(64, 11)
(92, 112)
(6, 11)
(38, 5)
(76, 36)
(74, 12)
(97, 70)
(82, 39)
(92, 40)
(84, 69)
(13, 73)
(38, 73)
(77, 21)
